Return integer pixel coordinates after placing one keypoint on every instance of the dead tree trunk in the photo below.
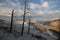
(11, 20)
(24, 17)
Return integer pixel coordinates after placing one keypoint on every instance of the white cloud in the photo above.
(17, 4)
(5, 11)
(33, 6)
(40, 12)
(45, 4)
(53, 12)
(18, 12)
(8, 11)
(14, 4)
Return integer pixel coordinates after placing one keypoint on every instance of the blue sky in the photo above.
(41, 9)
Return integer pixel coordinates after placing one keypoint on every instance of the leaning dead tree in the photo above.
(11, 20)
(24, 17)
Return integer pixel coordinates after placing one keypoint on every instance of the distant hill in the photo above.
(44, 22)
(53, 25)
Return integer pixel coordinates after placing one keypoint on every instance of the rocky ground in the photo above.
(16, 35)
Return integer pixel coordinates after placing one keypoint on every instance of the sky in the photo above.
(38, 9)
